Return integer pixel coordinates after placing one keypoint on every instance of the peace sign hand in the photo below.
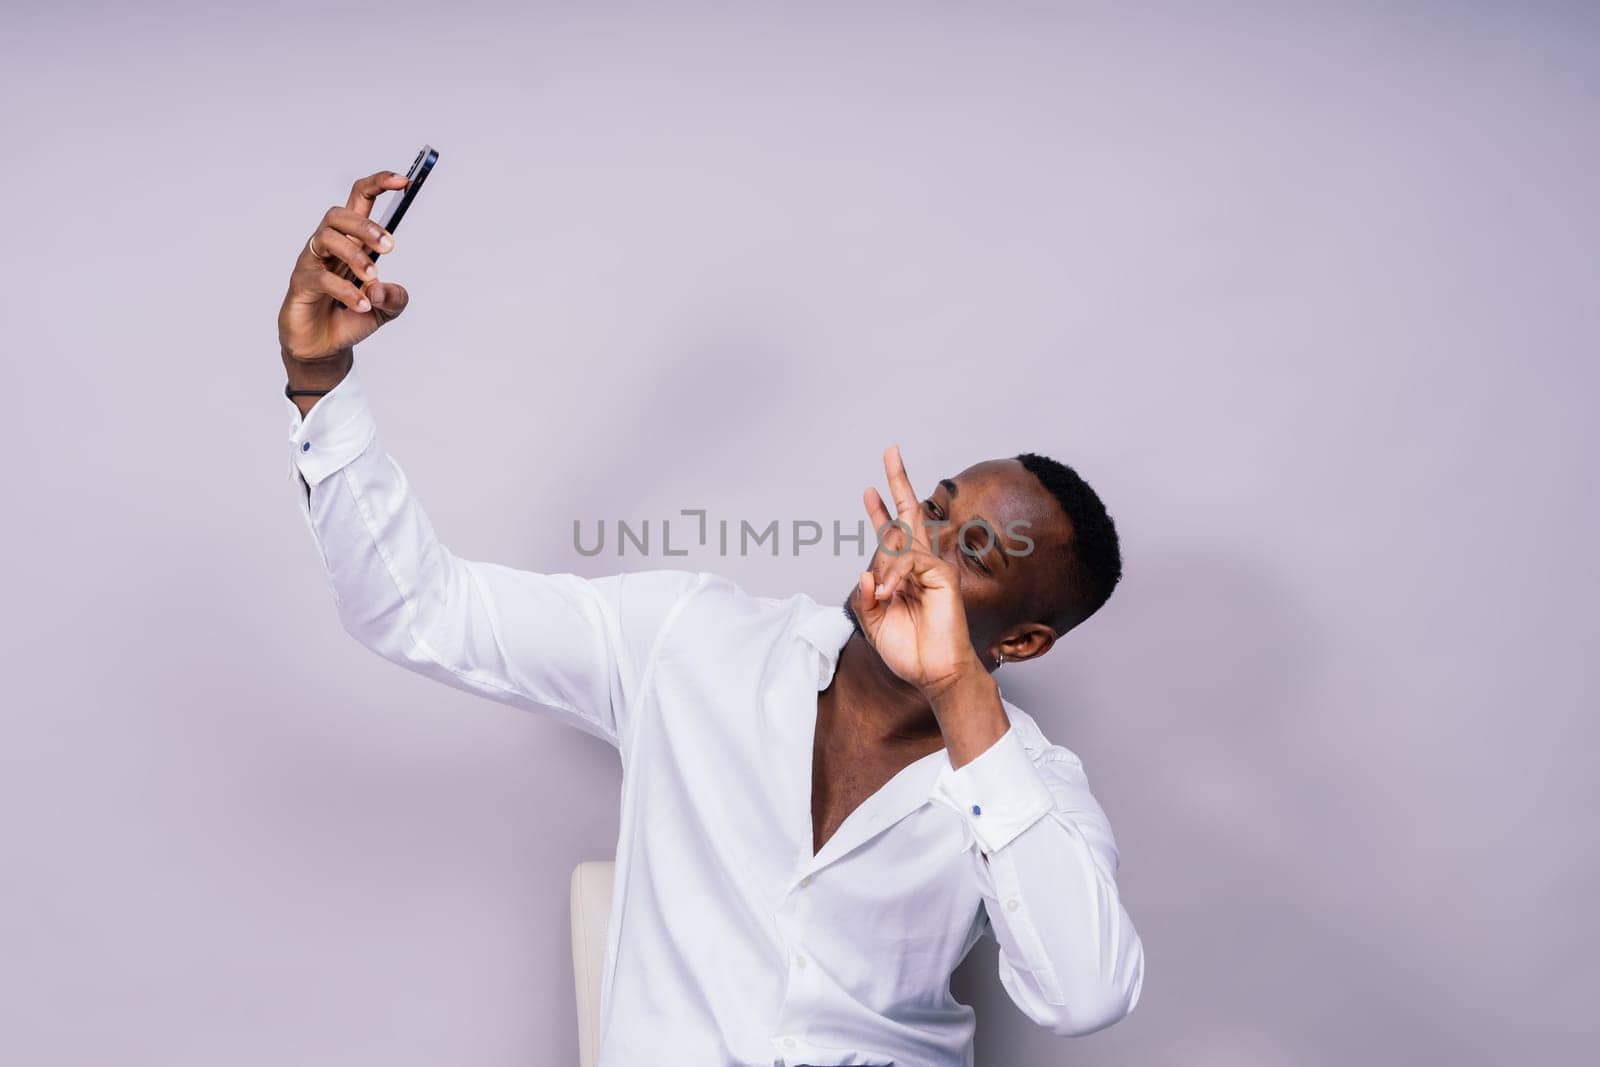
(909, 601)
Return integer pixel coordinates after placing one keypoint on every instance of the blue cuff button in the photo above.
(305, 446)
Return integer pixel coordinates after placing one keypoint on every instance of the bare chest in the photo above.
(835, 795)
(845, 774)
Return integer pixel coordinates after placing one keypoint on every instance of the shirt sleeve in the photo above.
(1045, 860)
(578, 649)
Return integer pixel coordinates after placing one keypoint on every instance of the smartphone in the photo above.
(391, 215)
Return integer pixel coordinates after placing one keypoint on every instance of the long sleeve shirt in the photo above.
(730, 941)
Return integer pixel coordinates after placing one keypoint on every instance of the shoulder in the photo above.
(718, 595)
(645, 598)
(705, 602)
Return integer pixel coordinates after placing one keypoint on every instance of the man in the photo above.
(822, 810)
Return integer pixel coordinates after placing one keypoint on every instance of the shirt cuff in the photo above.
(999, 794)
(337, 429)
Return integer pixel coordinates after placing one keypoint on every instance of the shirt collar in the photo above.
(826, 628)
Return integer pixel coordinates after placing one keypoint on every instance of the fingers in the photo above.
(912, 574)
(316, 281)
(336, 262)
(892, 539)
(897, 557)
(881, 522)
(917, 572)
(905, 534)
(905, 501)
(901, 537)
(907, 509)
(893, 574)
(357, 227)
(901, 559)
(345, 238)
(346, 249)
(366, 190)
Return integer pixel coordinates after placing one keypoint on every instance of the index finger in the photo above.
(366, 190)
(905, 500)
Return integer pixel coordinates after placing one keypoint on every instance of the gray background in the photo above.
(1307, 291)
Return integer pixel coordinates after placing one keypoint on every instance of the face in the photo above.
(986, 516)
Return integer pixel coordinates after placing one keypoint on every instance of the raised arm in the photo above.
(576, 648)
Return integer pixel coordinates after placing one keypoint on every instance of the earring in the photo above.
(999, 660)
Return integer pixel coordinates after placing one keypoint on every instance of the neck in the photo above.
(880, 706)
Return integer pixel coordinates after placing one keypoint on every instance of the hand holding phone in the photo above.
(390, 218)
(327, 310)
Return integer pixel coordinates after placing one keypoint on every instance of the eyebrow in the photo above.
(949, 486)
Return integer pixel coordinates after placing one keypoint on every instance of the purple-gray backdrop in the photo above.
(1308, 291)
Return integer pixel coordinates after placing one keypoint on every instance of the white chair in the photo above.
(591, 913)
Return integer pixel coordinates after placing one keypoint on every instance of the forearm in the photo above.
(1045, 862)
(1070, 955)
(391, 577)
(970, 715)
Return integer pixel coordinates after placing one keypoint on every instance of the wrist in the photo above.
(963, 682)
(316, 374)
(323, 372)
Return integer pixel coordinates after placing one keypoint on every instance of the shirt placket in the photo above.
(801, 974)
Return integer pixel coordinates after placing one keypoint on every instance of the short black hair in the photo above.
(1095, 556)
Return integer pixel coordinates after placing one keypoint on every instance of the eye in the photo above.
(971, 550)
(934, 511)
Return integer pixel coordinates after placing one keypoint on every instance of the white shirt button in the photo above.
(800, 962)
(789, 1042)
(805, 881)
(1013, 904)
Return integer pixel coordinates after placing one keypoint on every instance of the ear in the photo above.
(1024, 641)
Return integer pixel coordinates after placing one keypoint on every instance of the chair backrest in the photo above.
(591, 912)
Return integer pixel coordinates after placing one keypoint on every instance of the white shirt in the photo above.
(730, 943)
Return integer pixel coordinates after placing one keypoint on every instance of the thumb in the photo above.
(869, 609)
(388, 298)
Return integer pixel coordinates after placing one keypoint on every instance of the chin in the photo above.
(850, 612)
